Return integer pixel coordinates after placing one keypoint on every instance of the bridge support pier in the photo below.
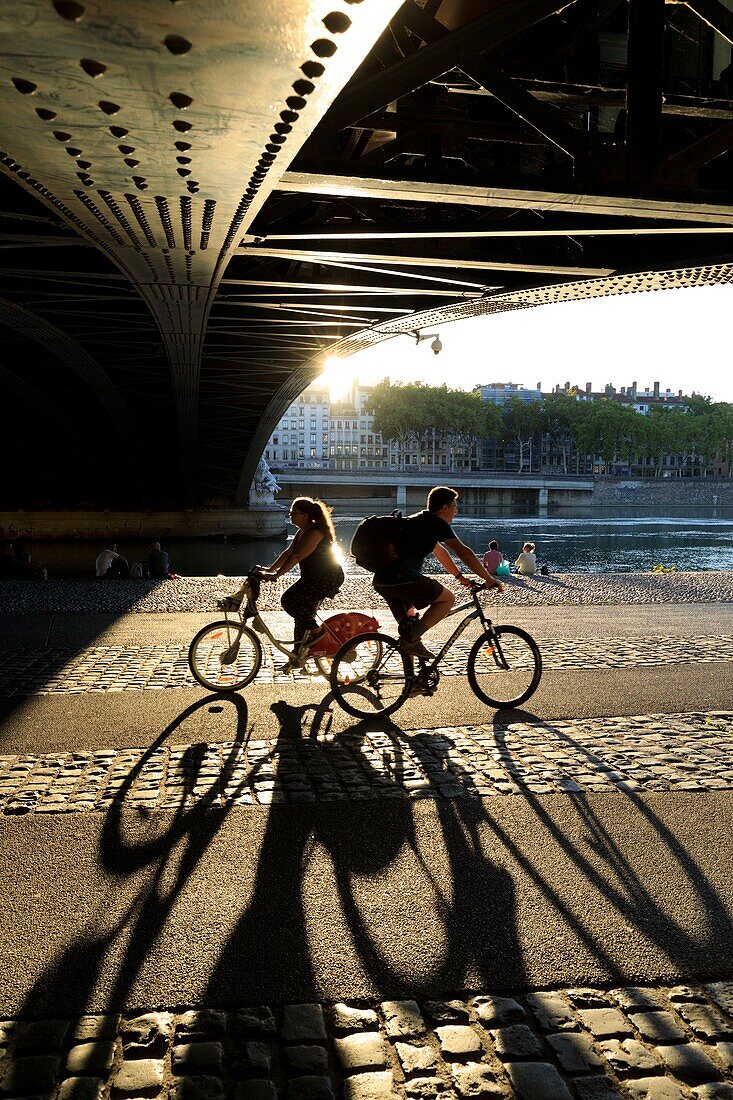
(402, 495)
(542, 495)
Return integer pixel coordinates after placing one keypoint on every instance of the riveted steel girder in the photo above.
(156, 131)
(176, 177)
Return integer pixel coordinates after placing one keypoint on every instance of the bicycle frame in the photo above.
(428, 666)
(259, 624)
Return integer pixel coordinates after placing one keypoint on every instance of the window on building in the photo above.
(301, 437)
(313, 438)
(276, 438)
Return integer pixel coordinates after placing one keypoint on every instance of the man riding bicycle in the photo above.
(402, 584)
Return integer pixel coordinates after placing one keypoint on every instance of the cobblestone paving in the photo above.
(151, 667)
(684, 752)
(660, 1043)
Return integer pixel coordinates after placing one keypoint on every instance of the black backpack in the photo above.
(376, 541)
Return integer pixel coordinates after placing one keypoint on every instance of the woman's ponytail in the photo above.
(318, 513)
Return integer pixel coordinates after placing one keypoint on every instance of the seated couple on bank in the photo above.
(404, 587)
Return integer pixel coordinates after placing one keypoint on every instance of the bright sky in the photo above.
(679, 338)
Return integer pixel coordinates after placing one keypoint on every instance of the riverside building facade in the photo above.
(318, 433)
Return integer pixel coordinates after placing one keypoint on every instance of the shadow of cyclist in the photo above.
(689, 922)
(145, 863)
(365, 891)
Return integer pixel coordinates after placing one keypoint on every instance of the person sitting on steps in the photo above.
(402, 584)
(320, 573)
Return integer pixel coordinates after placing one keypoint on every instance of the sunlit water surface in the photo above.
(566, 545)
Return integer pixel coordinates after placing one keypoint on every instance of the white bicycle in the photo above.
(227, 654)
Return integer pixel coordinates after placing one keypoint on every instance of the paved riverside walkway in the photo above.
(254, 896)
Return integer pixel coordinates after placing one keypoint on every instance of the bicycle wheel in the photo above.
(381, 684)
(504, 667)
(225, 656)
(363, 660)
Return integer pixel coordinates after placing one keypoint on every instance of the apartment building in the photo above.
(316, 433)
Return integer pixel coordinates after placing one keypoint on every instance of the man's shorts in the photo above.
(419, 593)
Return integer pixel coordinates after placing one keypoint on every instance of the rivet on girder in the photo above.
(176, 44)
(69, 9)
(336, 22)
(108, 107)
(324, 47)
(312, 69)
(93, 68)
(180, 100)
(25, 87)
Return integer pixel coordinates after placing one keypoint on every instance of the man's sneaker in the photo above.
(406, 625)
(415, 648)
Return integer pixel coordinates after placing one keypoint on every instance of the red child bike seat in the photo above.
(339, 628)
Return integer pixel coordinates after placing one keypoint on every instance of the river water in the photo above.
(566, 545)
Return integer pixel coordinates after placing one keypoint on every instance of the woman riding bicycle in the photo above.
(320, 573)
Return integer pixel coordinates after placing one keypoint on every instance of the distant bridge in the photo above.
(477, 487)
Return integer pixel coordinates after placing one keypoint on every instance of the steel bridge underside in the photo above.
(199, 202)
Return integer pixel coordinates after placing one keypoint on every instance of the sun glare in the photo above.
(338, 375)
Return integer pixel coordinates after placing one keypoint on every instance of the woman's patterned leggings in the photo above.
(302, 600)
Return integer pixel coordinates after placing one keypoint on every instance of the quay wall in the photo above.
(209, 523)
(674, 494)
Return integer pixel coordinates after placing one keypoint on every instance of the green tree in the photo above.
(522, 420)
(610, 431)
(561, 417)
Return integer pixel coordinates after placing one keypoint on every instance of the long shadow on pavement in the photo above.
(168, 856)
(609, 872)
(368, 844)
